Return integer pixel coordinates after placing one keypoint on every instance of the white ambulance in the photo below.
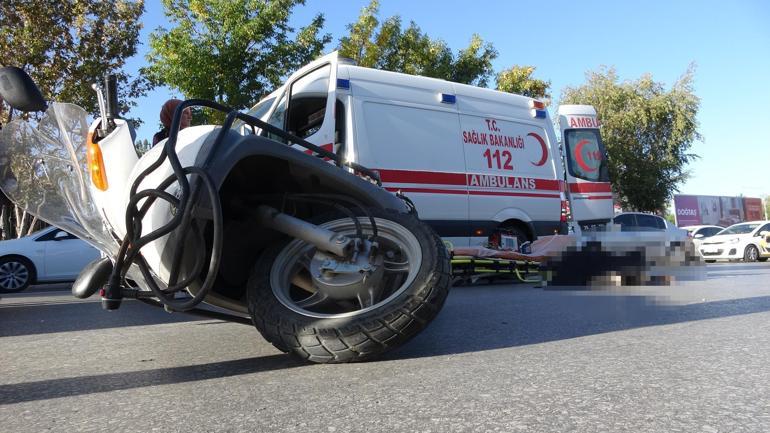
(476, 162)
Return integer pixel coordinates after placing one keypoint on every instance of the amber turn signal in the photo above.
(96, 164)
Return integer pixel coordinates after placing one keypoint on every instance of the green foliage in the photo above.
(68, 45)
(142, 146)
(648, 132)
(230, 51)
(670, 217)
(390, 47)
(518, 80)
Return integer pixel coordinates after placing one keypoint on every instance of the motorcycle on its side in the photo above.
(289, 236)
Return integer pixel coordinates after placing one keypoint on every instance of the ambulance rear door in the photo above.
(585, 162)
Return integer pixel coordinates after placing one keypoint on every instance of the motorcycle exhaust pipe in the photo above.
(323, 239)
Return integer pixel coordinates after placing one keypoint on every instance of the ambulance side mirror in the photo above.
(19, 91)
(698, 236)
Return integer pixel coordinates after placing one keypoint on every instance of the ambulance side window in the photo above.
(257, 111)
(339, 125)
(307, 103)
(277, 119)
(261, 108)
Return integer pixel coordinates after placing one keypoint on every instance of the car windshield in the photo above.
(739, 229)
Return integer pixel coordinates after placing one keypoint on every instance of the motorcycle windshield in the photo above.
(43, 170)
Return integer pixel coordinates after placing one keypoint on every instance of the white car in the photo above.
(641, 222)
(739, 241)
(698, 234)
(49, 255)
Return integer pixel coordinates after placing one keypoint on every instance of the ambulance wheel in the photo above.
(318, 324)
(513, 231)
(520, 235)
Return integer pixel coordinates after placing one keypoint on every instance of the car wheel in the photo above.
(16, 274)
(751, 254)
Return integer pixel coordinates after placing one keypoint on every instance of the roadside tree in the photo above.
(518, 79)
(66, 46)
(648, 132)
(231, 52)
(387, 45)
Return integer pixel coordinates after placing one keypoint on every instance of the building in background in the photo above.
(691, 210)
(754, 209)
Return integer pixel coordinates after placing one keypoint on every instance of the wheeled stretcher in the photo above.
(471, 264)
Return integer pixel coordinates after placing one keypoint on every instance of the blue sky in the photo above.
(728, 41)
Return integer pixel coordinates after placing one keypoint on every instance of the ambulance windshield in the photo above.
(586, 156)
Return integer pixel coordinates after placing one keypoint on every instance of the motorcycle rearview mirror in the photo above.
(109, 110)
(111, 102)
(19, 91)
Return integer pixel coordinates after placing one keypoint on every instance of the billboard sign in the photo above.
(691, 210)
(754, 209)
(687, 210)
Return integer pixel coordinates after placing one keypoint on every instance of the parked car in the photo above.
(49, 255)
(640, 222)
(700, 233)
(739, 241)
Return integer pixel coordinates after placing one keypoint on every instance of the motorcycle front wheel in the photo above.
(296, 317)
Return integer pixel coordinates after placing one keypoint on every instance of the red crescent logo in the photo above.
(579, 155)
(543, 146)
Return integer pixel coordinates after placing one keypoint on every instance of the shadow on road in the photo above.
(487, 318)
(72, 386)
(67, 315)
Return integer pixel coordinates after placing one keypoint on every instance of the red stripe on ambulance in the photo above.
(470, 179)
(585, 187)
(411, 176)
(471, 192)
(327, 147)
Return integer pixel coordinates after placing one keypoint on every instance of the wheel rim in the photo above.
(753, 253)
(400, 270)
(13, 275)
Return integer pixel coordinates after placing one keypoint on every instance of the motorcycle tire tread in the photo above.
(360, 338)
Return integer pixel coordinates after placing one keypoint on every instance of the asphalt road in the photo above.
(690, 357)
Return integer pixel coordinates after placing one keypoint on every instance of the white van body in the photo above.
(473, 160)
